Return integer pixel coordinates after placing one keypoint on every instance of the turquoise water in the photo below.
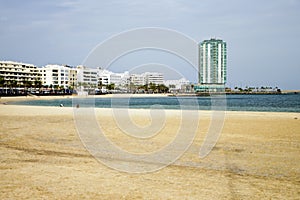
(268, 103)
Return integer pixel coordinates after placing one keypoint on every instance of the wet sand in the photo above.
(257, 157)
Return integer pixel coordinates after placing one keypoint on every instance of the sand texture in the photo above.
(257, 157)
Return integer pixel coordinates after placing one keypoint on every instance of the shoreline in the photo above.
(32, 110)
(4, 100)
(33, 97)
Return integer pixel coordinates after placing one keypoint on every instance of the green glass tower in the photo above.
(212, 64)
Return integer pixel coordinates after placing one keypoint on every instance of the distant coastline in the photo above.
(274, 93)
(238, 93)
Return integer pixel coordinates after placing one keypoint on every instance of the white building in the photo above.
(177, 84)
(103, 77)
(153, 77)
(120, 79)
(106, 77)
(19, 74)
(116, 78)
(125, 78)
(137, 79)
(87, 77)
(55, 76)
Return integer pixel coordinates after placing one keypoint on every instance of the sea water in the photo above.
(267, 103)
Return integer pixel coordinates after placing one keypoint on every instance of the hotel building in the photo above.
(153, 77)
(212, 65)
(87, 77)
(55, 76)
(15, 77)
(178, 85)
(137, 79)
(18, 75)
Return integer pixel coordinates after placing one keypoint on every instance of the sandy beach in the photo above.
(42, 157)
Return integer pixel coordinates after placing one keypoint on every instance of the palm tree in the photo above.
(2, 81)
(56, 88)
(192, 87)
(111, 86)
(132, 87)
(14, 85)
(29, 84)
(61, 88)
(152, 87)
(100, 85)
(51, 88)
(26, 85)
(7, 86)
(162, 88)
(37, 83)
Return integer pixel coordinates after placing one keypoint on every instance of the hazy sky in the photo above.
(263, 37)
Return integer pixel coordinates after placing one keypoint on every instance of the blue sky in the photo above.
(263, 37)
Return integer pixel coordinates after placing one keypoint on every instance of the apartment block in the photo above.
(55, 76)
(19, 74)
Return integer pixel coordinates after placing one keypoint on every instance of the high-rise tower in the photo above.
(212, 64)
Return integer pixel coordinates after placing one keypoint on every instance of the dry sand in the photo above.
(42, 157)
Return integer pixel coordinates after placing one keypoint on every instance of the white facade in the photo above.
(19, 73)
(107, 77)
(116, 78)
(125, 80)
(55, 75)
(154, 77)
(120, 79)
(137, 79)
(87, 77)
(176, 84)
(103, 77)
(80, 77)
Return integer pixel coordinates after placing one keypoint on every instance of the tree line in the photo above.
(24, 87)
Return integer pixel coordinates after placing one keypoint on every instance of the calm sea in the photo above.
(268, 103)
